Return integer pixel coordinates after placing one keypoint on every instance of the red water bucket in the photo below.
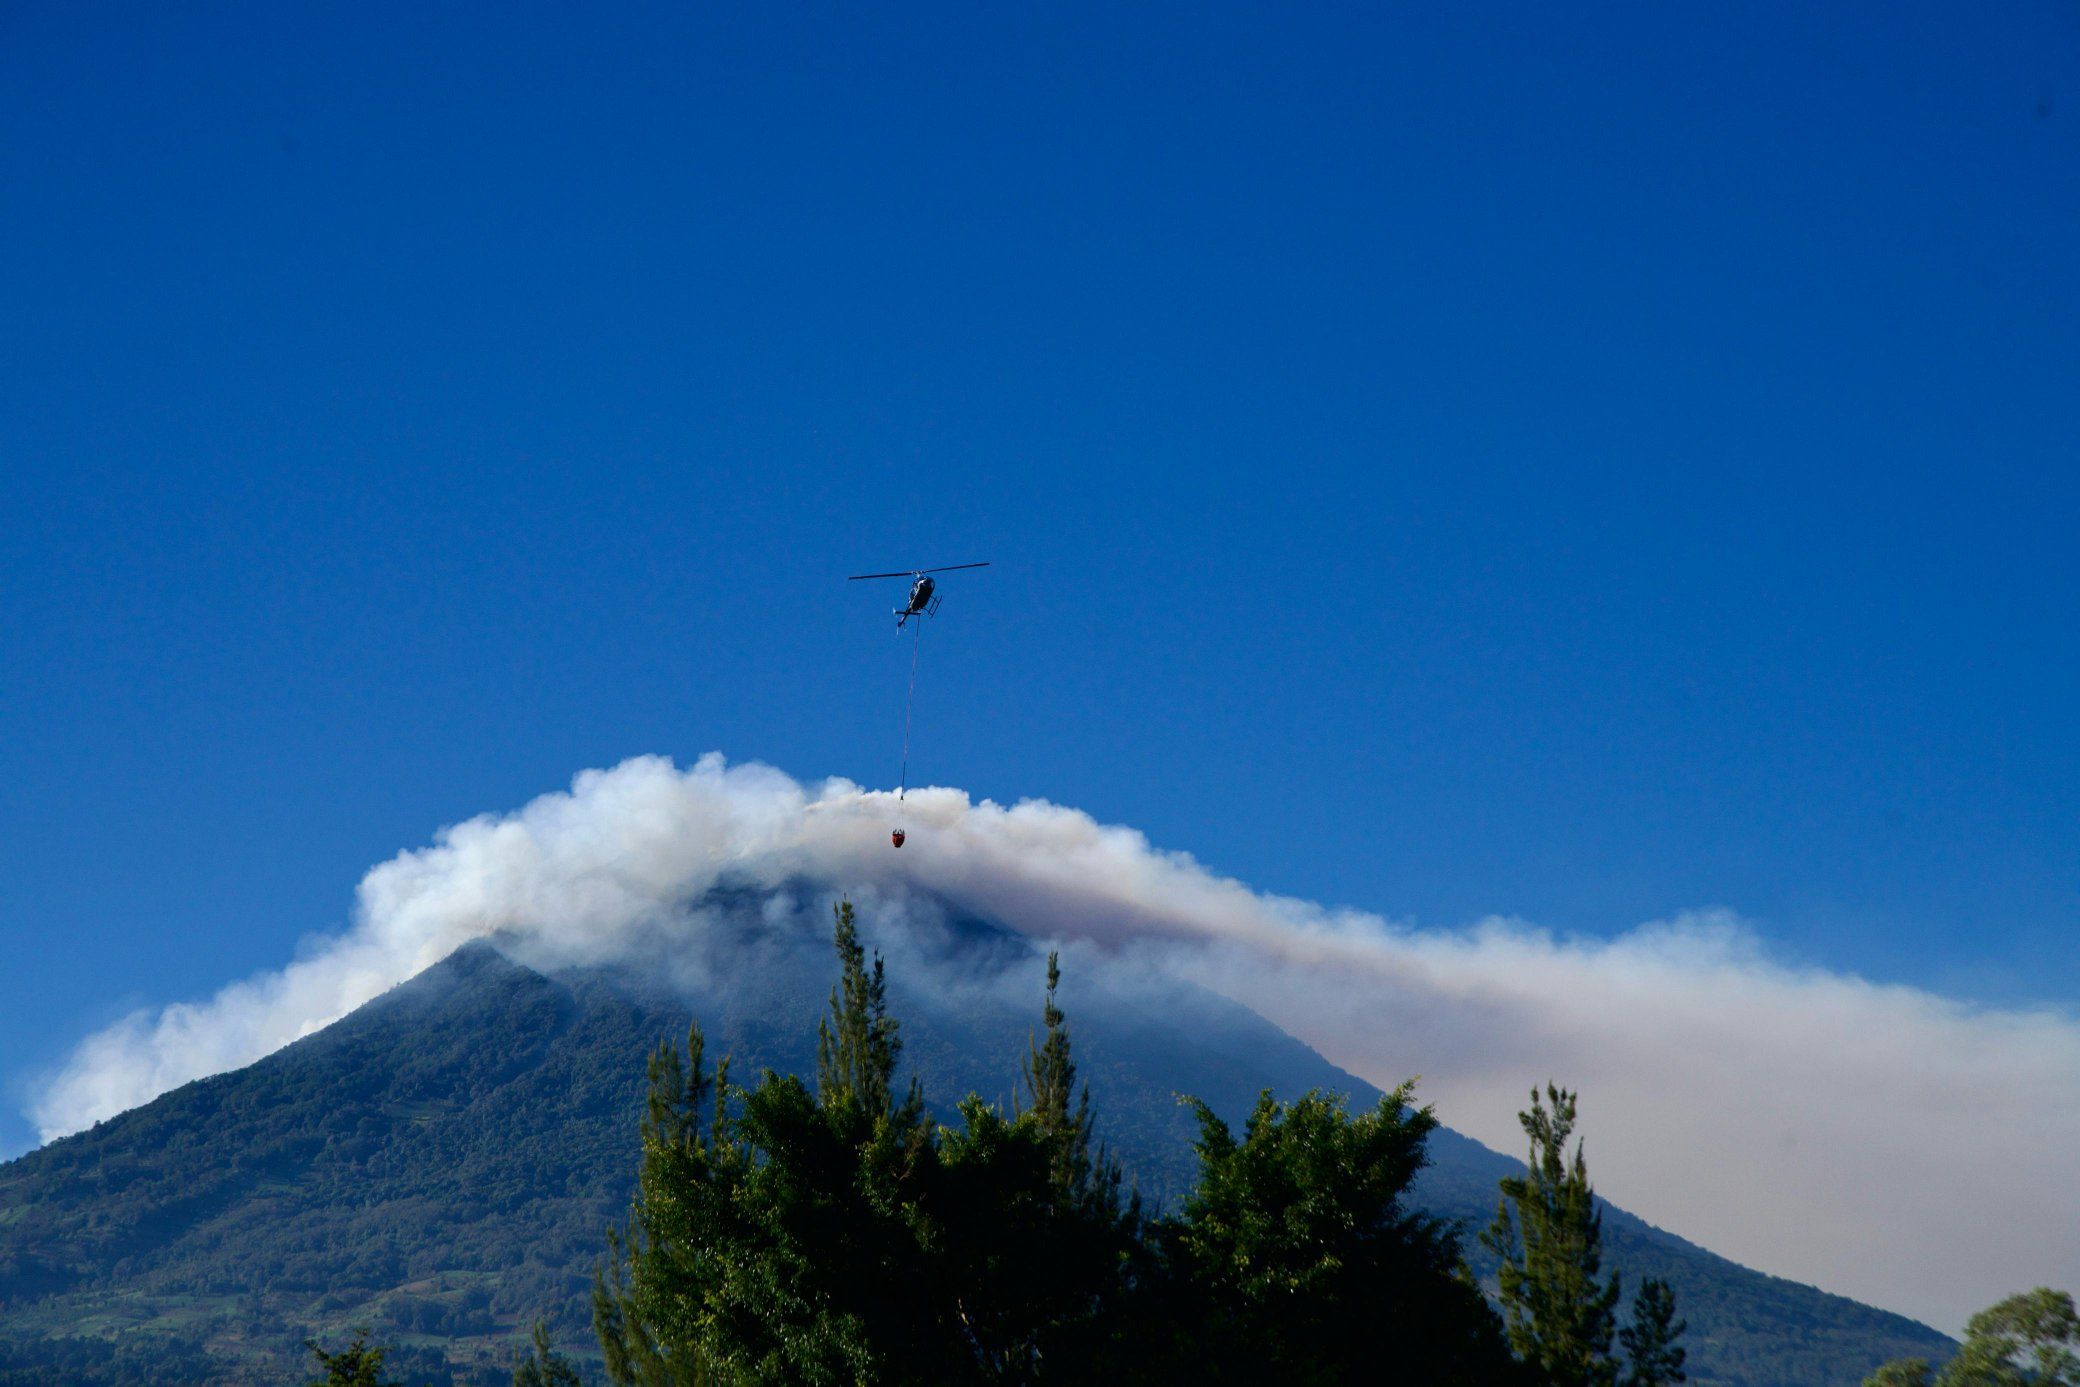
(896, 837)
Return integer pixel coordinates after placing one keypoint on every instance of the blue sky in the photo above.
(1578, 464)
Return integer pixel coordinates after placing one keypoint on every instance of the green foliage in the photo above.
(2029, 1337)
(1037, 1254)
(542, 1366)
(439, 1165)
(1061, 1111)
(359, 1364)
(857, 1044)
(840, 1238)
(1548, 1238)
(436, 1166)
(1036, 1276)
(133, 1361)
(1651, 1350)
(2028, 1340)
(1297, 1258)
(780, 1243)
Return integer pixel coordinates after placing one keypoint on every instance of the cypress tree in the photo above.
(544, 1366)
(1062, 1112)
(858, 1044)
(1558, 1312)
(359, 1364)
(781, 1243)
(1650, 1340)
(647, 1291)
(1050, 1079)
(1036, 1257)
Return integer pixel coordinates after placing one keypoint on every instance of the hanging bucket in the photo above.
(896, 837)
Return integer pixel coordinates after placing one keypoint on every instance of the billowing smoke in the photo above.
(1879, 1141)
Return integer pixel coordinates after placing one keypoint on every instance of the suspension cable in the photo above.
(909, 702)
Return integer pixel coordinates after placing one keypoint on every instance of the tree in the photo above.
(1040, 1258)
(1559, 1315)
(359, 1364)
(838, 1236)
(544, 1367)
(858, 1043)
(1049, 1072)
(1650, 1340)
(2036, 1331)
(2028, 1340)
(1050, 1079)
(779, 1242)
(684, 1181)
(1296, 1259)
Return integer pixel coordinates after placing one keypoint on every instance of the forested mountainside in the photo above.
(441, 1164)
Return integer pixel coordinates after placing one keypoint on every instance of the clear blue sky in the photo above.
(1577, 462)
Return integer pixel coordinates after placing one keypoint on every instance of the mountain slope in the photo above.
(441, 1163)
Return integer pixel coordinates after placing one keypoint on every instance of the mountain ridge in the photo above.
(442, 1161)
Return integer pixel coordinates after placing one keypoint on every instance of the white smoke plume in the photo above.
(1879, 1141)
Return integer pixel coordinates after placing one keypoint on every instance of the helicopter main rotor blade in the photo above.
(916, 572)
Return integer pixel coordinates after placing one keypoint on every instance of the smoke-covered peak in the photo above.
(1808, 1122)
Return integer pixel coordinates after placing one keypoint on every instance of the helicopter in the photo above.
(923, 601)
(924, 597)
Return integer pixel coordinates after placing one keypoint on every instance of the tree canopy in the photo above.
(1548, 1235)
(2028, 1340)
(359, 1364)
(843, 1236)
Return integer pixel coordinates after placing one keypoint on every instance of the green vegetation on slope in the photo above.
(440, 1164)
(437, 1166)
(844, 1237)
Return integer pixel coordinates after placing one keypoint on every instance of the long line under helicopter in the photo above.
(923, 601)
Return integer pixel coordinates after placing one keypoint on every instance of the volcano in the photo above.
(441, 1164)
